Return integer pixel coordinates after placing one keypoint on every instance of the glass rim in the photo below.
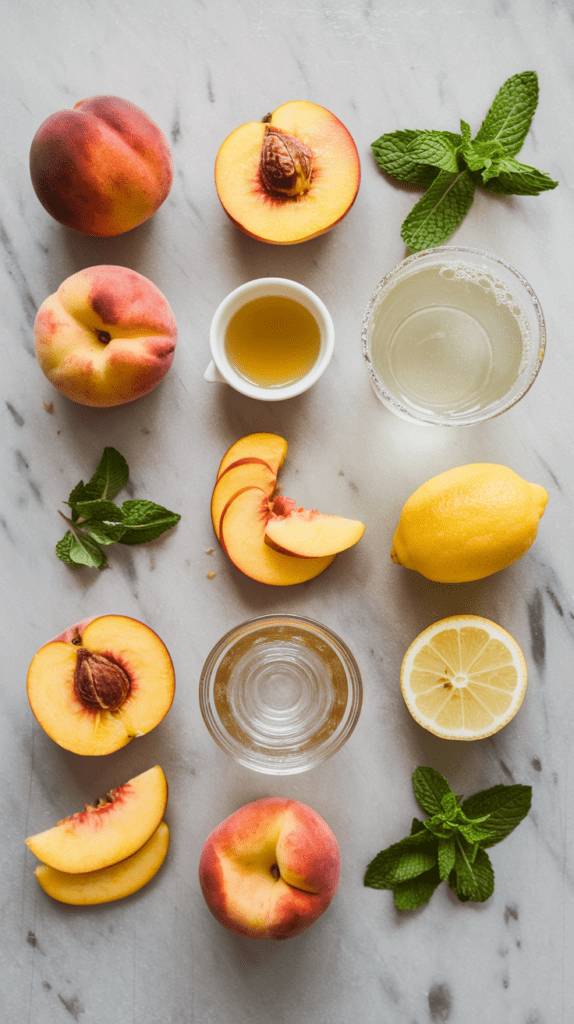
(306, 759)
(489, 413)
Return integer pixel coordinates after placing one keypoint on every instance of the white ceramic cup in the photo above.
(220, 370)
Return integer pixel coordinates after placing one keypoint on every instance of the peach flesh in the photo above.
(270, 448)
(109, 832)
(111, 883)
(237, 476)
(92, 729)
(310, 534)
(284, 219)
(242, 533)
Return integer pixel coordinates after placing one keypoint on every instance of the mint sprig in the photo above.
(451, 166)
(449, 846)
(95, 520)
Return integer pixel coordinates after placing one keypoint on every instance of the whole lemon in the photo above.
(468, 523)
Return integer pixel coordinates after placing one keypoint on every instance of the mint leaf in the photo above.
(103, 533)
(429, 788)
(506, 806)
(99, 508)
(511, 113)
(438, 827)
(465, 133)
(144, 521)
(63, 547)
(446, 856)
(416, 891)
(397, 864)
(448, 166)
(110, 477)
(478, 154)
(392, 156)
(440, 211)
(474, 833)
(96, 519)
(439, 149)
(80, 550)
(506, 176)
(79, 493)
(450, 805)
(449, 846)
(416, 828)
(472, 879)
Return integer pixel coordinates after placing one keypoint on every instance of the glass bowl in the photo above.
(452, 336)
(280, 693)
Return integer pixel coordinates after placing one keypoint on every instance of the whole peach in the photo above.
(270, 869)
(102, 168)
(106, 336)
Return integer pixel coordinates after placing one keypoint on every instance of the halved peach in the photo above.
(246, 473)
(242, 535)
(291, 176)
(101, 835)
(268, 448)
(101, 683)
(307, 533)
(111, 883)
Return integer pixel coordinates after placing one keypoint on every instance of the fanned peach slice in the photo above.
(101, 835)
(242, 534)
(101, 683)
(268, 448)
(265, 534)
(248, 473)
(307, 533)
(289, 177)
(111, 883)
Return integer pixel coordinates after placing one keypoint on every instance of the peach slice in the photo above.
(101, 835)
(265, 534)
(268, 448)
(246, 473)
(242, 535)
(100, 684)
(111, 883)
(291, 176)
(311, 534)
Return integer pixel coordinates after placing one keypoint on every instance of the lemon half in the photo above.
(463, 678)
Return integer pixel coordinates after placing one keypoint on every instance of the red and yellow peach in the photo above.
(102, 168)
(270, 870)
(106, 336)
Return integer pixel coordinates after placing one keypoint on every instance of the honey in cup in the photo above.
(272, 341)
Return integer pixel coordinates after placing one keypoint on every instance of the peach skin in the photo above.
(102, 168)
(270, 870)
(106, 337)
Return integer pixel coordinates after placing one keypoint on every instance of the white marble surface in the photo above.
(201, 69)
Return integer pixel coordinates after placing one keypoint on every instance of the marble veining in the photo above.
(200, 70)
